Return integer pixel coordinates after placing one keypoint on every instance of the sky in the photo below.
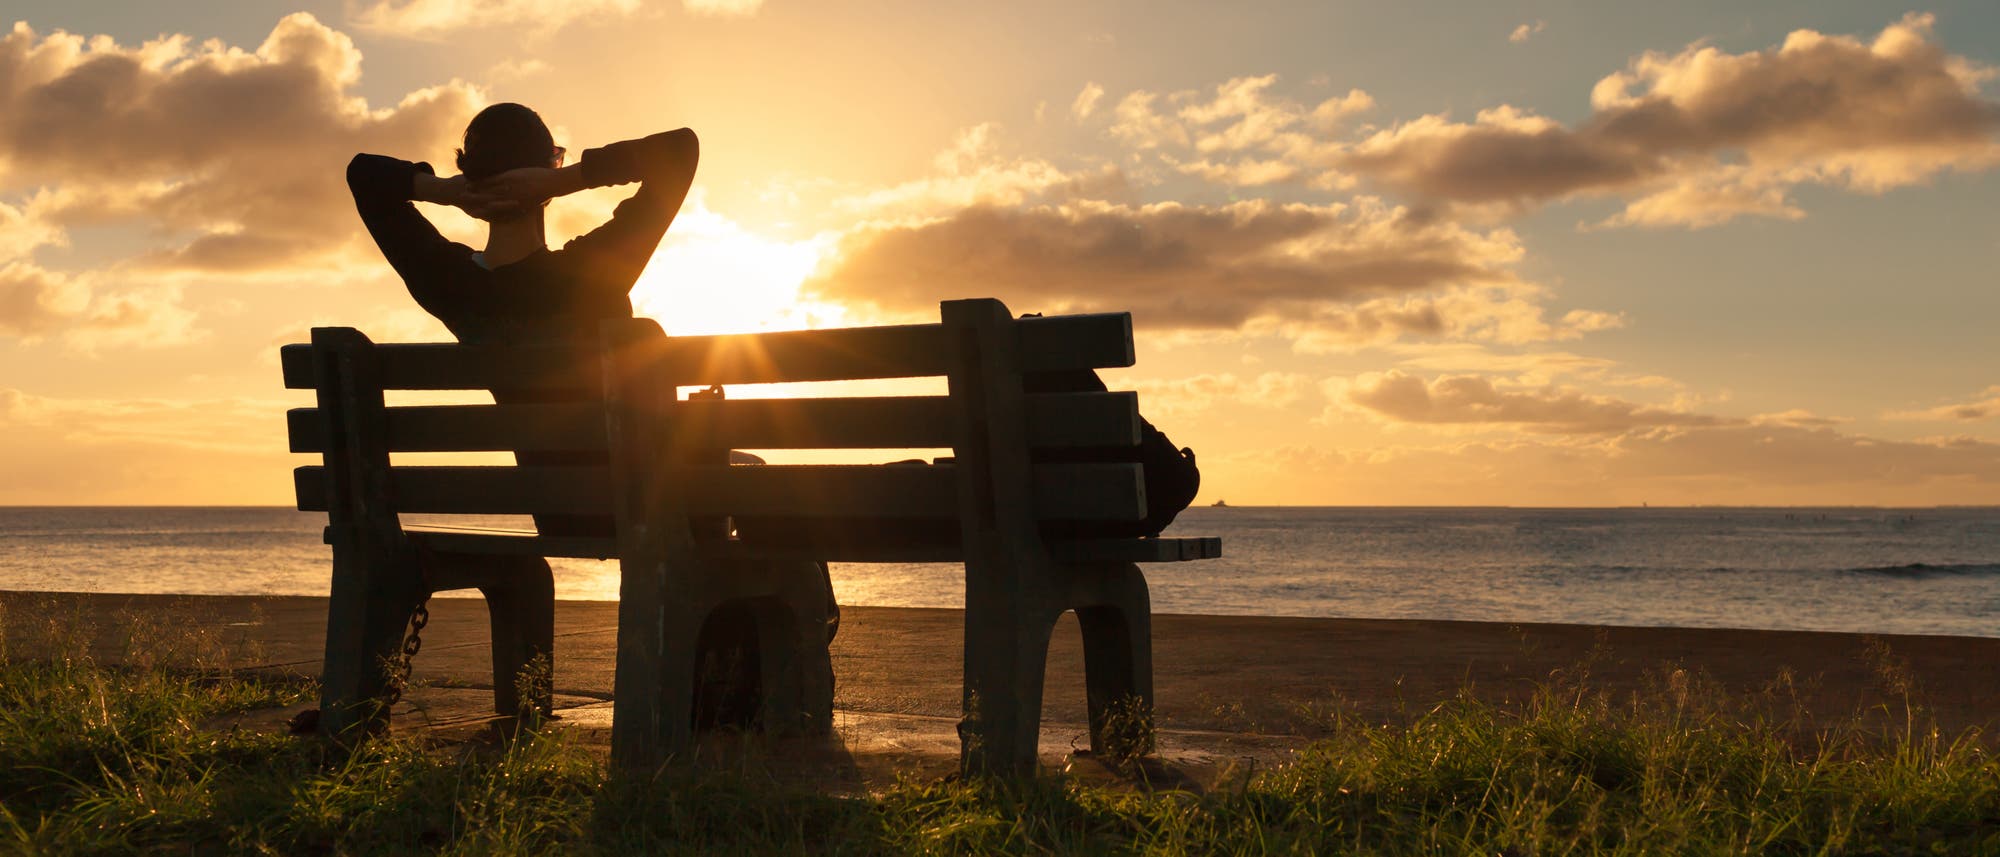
(1392, 253)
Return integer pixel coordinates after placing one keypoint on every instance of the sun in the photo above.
(713, 275)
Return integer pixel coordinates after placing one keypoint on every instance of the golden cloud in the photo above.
(1739, 464)
(1200, 393)
(1475, 400)
(232, 159)
(1172, 265)
(1240, 134)
(244, 149)
(1704, 135)
(1985, 406)
(433, 18)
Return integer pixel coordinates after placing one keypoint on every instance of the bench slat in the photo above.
(470, 428)
(479, 490)
(1092, 341)
(450, 366)
(1083, 420)
(1086, 341)
(296, 360)
(1064, 491)
(484, 540)
(1057, 420)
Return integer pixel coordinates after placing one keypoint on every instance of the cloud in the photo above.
(229, 161)
(1173, 265)
(1328, 278)
(244, 149)
(1742, 464)
(1526, 31)
(971, 172)
(1240, 134)
(1531, 368)
(722, 7)
(1698, 201)
(1248, 172)
(1987, 406)
(1540, 365)
(515, 69)
(1798, 417)
(426, 19)
(36, 303)
(1086, 101)
(1477, 400)
(1702, 136)
(1511, 313)
(1162, 397)
(1138, 125)
(22, 230)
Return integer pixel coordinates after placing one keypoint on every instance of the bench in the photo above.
(668, 484)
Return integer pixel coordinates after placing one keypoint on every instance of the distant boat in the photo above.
(1220, 504)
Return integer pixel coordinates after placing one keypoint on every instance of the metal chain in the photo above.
(399, 670)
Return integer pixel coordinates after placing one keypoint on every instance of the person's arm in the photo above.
(384, 188)
(612, 255)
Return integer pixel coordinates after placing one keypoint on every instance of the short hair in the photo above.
(505, 137)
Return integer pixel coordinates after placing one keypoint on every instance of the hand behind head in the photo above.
(490, 209)
(524, 187)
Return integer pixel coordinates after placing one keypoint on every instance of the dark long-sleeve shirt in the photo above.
(554, 294)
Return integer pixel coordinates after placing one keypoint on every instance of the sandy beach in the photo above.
(1225, 685)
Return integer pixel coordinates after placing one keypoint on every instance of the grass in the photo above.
(96, 759)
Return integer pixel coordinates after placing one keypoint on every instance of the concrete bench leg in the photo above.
(674, 693)
(731, 655)
(653, 688)
(1006, 658)
(367, 611)
(794, 625)
(520, 604)
(762, 658)
(1117, 624)
(1006, 655)
(672, 617)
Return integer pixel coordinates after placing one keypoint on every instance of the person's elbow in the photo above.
(686, 148)
(364, 173)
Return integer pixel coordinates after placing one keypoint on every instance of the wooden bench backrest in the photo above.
(356, 431)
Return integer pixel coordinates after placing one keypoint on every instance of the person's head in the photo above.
(506, 137)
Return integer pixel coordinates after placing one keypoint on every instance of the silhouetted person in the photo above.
(516, 289)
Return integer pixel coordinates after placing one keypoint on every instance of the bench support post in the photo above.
(375, 583)
(1007, 626)
(647, 690)
(520, 605)
(1114, 612)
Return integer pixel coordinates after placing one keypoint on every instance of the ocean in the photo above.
(1906, 571)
